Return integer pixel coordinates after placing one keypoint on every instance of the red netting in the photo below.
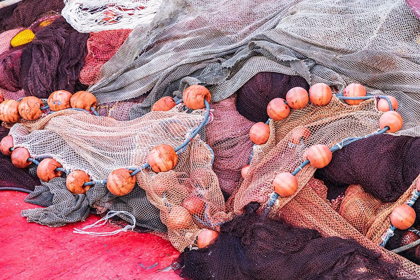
(101, 47)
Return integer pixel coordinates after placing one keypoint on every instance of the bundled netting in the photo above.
(98, 15)
(185, 199)
(101, 46)
(250, 247)
(228, 136)
(24, 13)
(223, 45)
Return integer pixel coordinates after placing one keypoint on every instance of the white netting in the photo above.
(98, 15)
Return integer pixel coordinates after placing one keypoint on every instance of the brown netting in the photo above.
(328, 125)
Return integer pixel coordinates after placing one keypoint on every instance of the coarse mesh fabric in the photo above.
(99, 145)
(228, 135)
(98, 15)
(101, 46)
(223, 44)
(328, 125)
(6, 37)
(251, 247)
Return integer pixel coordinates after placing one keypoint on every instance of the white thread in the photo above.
(103, 221)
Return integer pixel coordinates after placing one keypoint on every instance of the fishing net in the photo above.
(53, 60)
(386, 174)
(101, 46)
(24, 13)
(99, 145)
(228, 136)
(223, 45)
(250, 247)
(98, 15)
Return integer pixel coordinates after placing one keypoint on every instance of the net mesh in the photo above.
(99, 145)
(223, 45)
(98, 15)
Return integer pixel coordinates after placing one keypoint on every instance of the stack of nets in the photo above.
(99, 145)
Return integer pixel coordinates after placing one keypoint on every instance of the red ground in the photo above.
(32, 251)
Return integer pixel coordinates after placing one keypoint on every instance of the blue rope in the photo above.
(94, 111)
(336, 147)
(388, 100)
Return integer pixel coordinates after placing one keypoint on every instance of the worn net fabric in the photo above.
(328, 125)
(99, 145)
(24, 13)
(223, 45)
(53, 60)
(98, 15)
(228, 135)
(101, 46)
(250, 247)
(255, 94)
(385, 165)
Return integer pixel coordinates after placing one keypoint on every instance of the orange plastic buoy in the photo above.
(6, 144)
(259, 133)
(391, 119)
(9, 111)
(297, 98)
(30, 108)
(354, 90)
(285, 184)
(20, 157)
(59, 100)
(83, 100)
(383, 104)
(194, 96)
(320, 94)
(319, 155)
(277, 109)
(206, 237)
(120, 182)
(75, 181)
(403, 217)
(46, 169)
(166, 103)
(162, 158)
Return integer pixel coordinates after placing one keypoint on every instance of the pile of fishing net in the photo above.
(325, 229)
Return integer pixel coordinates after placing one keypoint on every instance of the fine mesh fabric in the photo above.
(250, 247)
(98, 15)
(223, 45)
(99, 145)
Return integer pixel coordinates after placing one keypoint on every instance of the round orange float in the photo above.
(285, 184)
(194, 96)
(320, 94)
(206, 237)
(59, 100)
(319, 155)
(83, 100)
(120, 182)
(166, 103)
(403, 217)
(354, 90)
(391, 119)
(46, 169)
(277, 109)
(259, 133)
(30, 108)
(6, 144)
(297, 98)
(162, 158)
(75, 181)
(20, 157)
(9, 111)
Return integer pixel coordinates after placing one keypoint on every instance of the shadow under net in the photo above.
(250, 247)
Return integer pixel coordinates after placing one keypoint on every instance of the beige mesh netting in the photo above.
(308, 207)
(99, 145)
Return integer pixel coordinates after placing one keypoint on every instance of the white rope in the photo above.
(103, 221)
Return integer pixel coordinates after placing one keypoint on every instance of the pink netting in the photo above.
(101, 47)
(228, 136)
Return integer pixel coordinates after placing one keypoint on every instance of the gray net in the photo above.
(223, 44)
